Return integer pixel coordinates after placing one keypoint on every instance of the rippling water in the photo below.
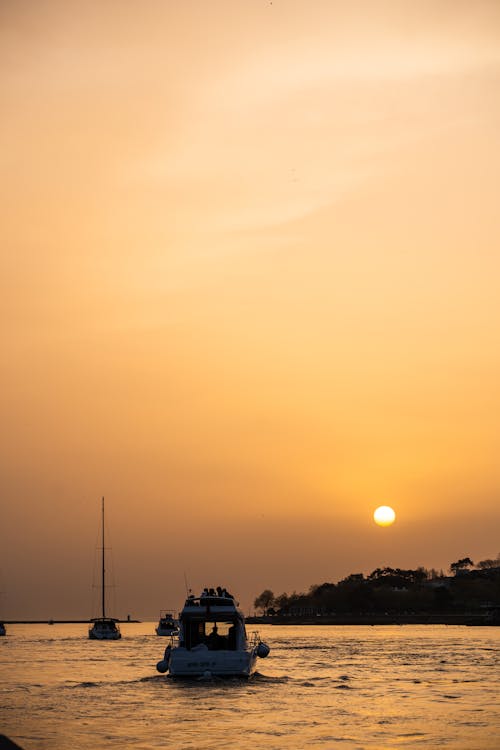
(321, 687)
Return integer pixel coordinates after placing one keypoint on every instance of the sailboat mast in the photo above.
(103, 568)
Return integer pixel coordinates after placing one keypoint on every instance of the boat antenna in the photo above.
(103, 567)
(186, 584)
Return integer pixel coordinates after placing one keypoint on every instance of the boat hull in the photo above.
(104, 630)
(205, 663)
(167, 631)
(100, 636)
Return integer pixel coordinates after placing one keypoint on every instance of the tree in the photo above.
(488, 563)
(459, 565)
(264, 601)
(379, 573)
(433, 574)
(353, 578)
(281, 601)
(421, 574)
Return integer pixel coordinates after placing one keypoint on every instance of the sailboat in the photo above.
(104, 628)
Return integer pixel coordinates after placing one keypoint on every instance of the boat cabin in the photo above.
(213, 622)
(167, 625)
(212, 640)
(104, 628)
(167, 618)
(107, 623)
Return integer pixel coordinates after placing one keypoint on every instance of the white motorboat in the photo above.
(104, 628)
(212, 640)
(167, 624)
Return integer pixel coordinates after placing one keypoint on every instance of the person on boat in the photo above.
(211, 638)
(215, 641)
(231, 638)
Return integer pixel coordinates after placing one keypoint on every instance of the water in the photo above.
(321, 687)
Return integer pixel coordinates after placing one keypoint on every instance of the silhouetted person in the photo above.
(212, 637)
(231, 638)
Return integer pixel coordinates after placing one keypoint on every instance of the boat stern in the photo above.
(201, 662)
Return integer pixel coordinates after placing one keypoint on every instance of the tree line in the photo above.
(470, 588)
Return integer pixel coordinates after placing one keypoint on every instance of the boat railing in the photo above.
(210, 601)
(173, 640)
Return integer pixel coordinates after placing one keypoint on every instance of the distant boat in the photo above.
(212, 640)
(3, 630)
(167, 624)
(104, 628)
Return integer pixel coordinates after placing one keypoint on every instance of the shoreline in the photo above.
(374, 619)
(450, 619)
(57, 622)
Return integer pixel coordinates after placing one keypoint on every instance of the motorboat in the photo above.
(104, 628)
(167, 624)
(212, 640)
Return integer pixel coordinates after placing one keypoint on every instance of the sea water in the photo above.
(321, 687)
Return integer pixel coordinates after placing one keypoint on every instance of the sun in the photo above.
(384, 516)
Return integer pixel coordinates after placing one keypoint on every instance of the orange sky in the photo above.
(249, 291)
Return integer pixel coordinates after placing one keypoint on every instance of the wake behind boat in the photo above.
(104, 628)
(212, 640)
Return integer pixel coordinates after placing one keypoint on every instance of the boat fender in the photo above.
(263, 650)
(162, 665)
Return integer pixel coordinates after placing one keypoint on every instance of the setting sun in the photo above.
(384, 516)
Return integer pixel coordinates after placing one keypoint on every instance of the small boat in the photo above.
(167, 624)
(212, 640)
(3, 629)
(104, 628)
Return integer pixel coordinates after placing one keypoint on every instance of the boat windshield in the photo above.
(107, 625)
(215, 635)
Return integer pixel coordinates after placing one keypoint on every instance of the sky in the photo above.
(249, 270)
